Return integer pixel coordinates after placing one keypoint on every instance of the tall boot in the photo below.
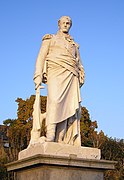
(61, 131)
(50, 135)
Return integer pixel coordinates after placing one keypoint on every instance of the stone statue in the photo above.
(59, 66)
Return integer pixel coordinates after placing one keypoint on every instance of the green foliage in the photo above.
(25, 109)
(87, 128)
(20, 128)
(3, 161)
(113, 149)
(18, 133)
(3, 171)
(9, 122)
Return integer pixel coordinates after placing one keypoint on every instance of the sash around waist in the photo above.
(68, 63)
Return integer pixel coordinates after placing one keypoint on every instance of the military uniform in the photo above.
(59, 59)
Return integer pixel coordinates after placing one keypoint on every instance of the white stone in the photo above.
(59, 65)
(58, 149)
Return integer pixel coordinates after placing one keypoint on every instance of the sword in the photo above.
(37, 110)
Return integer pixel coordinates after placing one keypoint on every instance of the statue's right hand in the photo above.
(37, 82)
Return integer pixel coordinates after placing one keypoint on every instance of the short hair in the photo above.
(67, 17)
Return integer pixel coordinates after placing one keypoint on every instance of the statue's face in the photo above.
(64, 25)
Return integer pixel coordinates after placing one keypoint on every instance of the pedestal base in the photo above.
(66, 150)
(48, 167)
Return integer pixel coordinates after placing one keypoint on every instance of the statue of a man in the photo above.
(58, 64)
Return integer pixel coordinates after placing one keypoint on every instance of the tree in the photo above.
(20, 128)
(3, 171)
(18, 133)
(3, 152)
(113, 149)
(87, 128)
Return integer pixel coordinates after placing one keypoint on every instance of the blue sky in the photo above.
(98, 26)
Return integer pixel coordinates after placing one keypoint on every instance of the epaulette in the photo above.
(47, 36)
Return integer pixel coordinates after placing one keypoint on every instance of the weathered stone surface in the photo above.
(52, 148)
(63, 173)
(48, 167)
(58, 63)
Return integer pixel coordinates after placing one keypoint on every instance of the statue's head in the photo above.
(65, 24)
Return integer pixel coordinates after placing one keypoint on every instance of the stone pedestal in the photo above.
(48, 167)
(66, 150)
(51, 161)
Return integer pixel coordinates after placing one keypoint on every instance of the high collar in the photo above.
(67, 36)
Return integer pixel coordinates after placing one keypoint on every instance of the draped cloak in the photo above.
(63, 100)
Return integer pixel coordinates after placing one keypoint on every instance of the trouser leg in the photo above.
(50, 134)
